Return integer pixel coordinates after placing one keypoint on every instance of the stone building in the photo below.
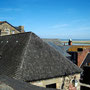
(7, 29)
(26, 57)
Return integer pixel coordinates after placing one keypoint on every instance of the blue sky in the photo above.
(62, 19)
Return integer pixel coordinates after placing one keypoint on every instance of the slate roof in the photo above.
(7, 83)
(66, 47)
(25, 56)
(60, 49)
(54, 41)
(86, 61)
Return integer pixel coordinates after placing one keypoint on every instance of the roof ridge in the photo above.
(25, 50)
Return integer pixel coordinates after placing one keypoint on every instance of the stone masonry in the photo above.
(61, 83)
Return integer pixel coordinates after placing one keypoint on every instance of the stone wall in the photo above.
(64, 83)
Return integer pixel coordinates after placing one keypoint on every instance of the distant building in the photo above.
(26, 57)
(7, 29)
(80, 54)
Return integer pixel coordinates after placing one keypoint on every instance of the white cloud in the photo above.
(84, 28)
(60, 26)
(9, 9)
(6, 18)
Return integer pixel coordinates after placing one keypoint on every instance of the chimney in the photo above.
(21, 28)
(70, 42)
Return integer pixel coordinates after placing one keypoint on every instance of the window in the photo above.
(51, 86)
(13, 32)
(7, 31)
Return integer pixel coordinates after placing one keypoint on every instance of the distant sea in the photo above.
(75, 40)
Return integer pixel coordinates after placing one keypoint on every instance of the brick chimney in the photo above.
(21, 28)
(70, 42)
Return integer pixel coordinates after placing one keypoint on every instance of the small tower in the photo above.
(70, 42)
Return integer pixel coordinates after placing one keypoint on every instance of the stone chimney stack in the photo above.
(21, 28)
(70, 42)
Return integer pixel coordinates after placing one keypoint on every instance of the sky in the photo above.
(62, 19)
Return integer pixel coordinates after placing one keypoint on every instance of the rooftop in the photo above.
(7, 83)
(74, 48)
(27, 57)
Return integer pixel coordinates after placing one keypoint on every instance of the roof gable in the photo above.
(32, 59)
(9, 24)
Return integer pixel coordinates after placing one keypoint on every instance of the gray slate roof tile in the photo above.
(31, 59)
(7, 83)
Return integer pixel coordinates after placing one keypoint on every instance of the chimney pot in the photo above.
(70, 42)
